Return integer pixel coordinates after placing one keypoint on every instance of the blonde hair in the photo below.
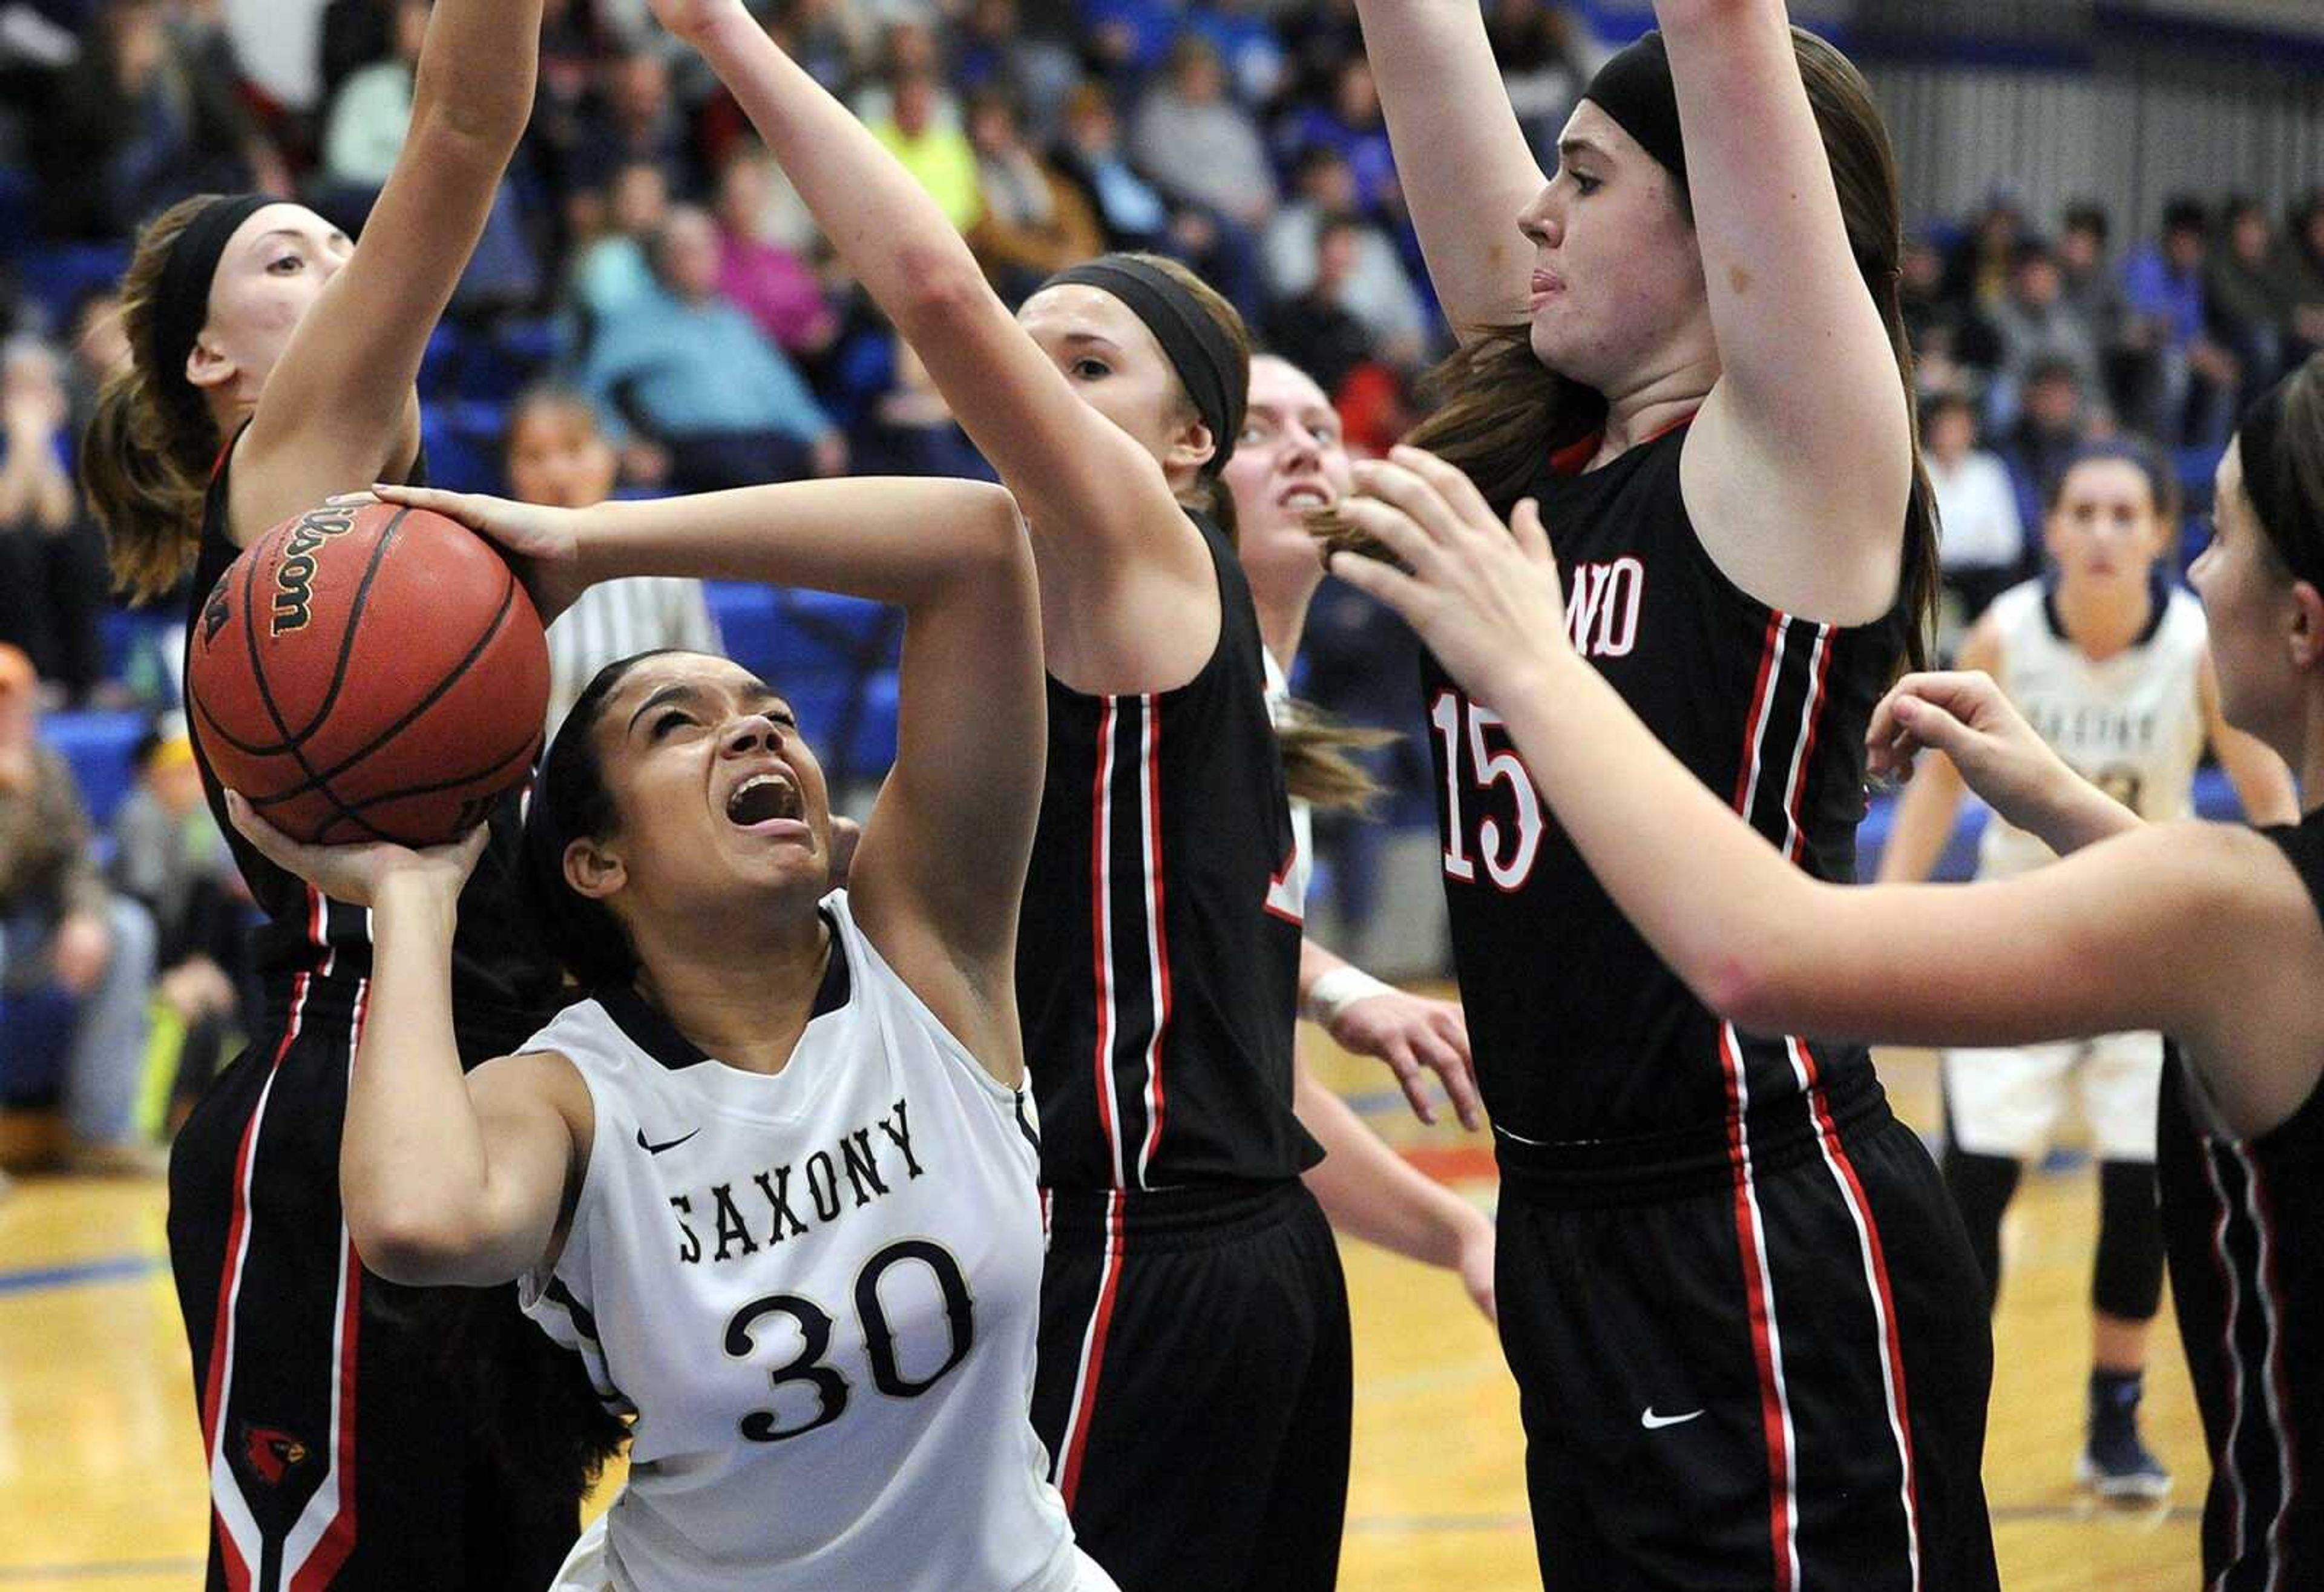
(146, 456)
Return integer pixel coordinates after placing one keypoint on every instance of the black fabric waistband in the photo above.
(1173, 1218)
(1696, 1160)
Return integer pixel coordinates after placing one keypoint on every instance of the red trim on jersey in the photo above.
(2228, 1281)
(1759, 694)
(1876, 1256)
(1161, 947)
(1575, 458)
(1069, 1477)
(214, 1381)
(1774, 1420)
(1100, 935)
(2277, 1397)
(1824, 641)
(331, 1552)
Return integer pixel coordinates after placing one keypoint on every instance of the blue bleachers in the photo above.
(54, 276)
(99, 747)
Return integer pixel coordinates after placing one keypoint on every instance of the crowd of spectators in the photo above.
(645, 255)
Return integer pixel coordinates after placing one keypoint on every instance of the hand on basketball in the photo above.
(1483, 595)
(359, 874)
(1964, 716)
(541, 544)
(1414, 1036)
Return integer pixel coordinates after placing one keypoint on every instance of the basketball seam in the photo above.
(524, 754)
(254, 749)
(321, 780)
(355, 622)
(266, 695)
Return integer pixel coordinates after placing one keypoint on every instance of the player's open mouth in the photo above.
(1303, 497)
(766, 803)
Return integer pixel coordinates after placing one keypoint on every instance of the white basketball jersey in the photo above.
(1302, 871)
(818, 1292)
(2132, 726)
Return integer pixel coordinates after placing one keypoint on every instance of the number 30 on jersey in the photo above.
(1507, 851)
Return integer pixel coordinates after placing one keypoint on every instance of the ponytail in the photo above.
(146, 454)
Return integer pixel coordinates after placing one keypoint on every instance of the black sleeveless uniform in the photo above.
(343, 1444)
(1743, 1317)
(2243, 1220)
(1193, 1383)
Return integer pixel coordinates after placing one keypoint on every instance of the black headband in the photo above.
(1196, 344)
(1635, 88)
(2295, 526)
(182, 303)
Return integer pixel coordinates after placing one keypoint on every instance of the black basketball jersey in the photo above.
(2243, 1221)
(1579, 1029)
(313, 951)
(1158, 960)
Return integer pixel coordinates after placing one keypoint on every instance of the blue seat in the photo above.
(100, 747)
(35, 1040)
(18, 221)
(55, 276)
(463, 438)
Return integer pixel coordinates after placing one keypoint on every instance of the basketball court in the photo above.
(101, 1480)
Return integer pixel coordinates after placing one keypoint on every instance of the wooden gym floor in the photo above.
(101, 1477)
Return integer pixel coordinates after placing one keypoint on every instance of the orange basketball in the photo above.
(369, 673)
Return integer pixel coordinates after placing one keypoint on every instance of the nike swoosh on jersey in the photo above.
(1654, 1423)
(665, 1144)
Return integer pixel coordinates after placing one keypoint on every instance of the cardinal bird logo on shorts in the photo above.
(215, 614)
(272, 1453)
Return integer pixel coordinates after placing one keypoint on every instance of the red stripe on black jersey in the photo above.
(1157, 992)
(2242, 1224)
(1579, 1031)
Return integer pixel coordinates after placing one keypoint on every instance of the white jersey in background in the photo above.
(2132, 726)
(1302, 871)
(818, 1292)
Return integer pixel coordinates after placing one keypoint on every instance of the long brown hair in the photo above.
(1318, 765)
(146, 454)
(1501, 412)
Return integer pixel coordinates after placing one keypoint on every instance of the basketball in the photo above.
(369, 672)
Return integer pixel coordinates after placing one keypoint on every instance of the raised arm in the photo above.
(2263, 783)
(1799, 466)
(340, 409)
(1113, 547)
(937, 874)
(445, 1179)
(1461, 157)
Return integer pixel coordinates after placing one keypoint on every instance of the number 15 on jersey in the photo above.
(1507, 851)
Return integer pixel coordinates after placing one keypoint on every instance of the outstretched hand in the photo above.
(358, 874)
(541, 544)
(1964, 716)
(1484, 597)
(1414, 1036)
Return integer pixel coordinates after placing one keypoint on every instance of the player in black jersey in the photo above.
(2212, 933)
(1193, 1383)
(349, 1426)
(1738, 1302)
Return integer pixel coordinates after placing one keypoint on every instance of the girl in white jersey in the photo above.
(2111, 664)
(772, 1178)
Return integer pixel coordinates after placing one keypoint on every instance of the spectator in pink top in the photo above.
(771, 285)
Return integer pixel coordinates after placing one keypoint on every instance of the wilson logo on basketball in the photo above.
(272, 1453)
(294, 577)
